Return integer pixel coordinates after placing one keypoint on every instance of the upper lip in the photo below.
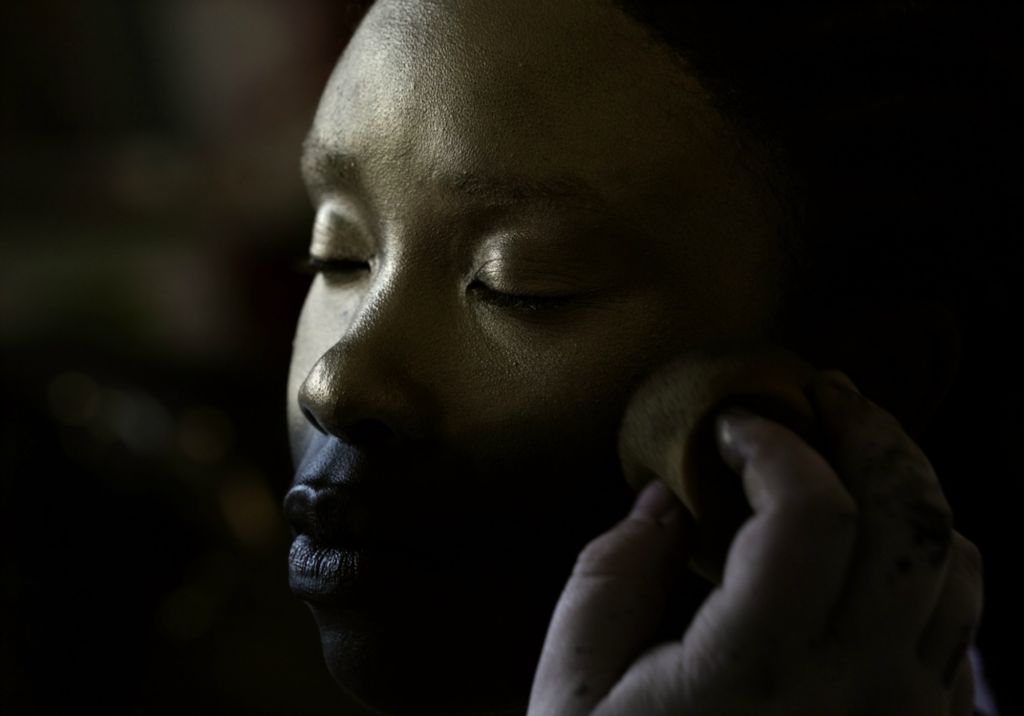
(306, 509)
(330, 499)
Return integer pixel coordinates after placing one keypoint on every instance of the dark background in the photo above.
(151, 223)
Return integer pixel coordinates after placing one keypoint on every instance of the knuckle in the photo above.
(900, 478)
(882, 446)
(900, 461)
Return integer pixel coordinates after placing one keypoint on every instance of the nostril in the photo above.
(311, 419)
(360, 431)
(369, 431)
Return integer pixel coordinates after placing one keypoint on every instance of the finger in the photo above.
(611, 607)
(906, 523)
(783, 575)
(787, 565)
(957, 614)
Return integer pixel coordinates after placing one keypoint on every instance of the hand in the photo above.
(847, 591)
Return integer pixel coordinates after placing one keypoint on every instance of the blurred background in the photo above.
(152, 222)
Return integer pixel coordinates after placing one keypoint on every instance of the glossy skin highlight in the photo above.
(523, 209)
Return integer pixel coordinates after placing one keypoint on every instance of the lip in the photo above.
(336, 500)
(317, 572)
(329, 574)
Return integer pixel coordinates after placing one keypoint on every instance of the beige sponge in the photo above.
(668, 432)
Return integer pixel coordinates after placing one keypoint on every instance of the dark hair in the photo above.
(898, 127)
(890, 121)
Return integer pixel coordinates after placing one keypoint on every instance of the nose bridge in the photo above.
(378, 374)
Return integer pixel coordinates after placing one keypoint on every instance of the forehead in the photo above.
(537, 89)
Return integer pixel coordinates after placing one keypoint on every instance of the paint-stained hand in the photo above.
(846, 592)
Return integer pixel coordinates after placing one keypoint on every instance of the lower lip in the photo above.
(318, 573)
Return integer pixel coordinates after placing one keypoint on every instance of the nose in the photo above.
(363, 391)
(363, 431)
(349, 403)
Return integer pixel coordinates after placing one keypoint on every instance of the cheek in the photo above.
(561, 395)
(590, 364)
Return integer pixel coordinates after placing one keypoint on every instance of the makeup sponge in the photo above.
(667, 433)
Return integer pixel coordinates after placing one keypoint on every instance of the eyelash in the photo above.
(518, 302)
(331, 267)
(511, 301)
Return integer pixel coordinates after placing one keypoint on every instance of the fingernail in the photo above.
(729, 432)
(655, 502)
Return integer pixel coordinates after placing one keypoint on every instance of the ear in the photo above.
(903, 356)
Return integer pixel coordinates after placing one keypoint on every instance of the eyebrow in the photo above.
(324, 168)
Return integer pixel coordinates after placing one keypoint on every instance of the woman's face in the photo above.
(523, 208)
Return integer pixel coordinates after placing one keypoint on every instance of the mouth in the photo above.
(316, 572)
(329, 574)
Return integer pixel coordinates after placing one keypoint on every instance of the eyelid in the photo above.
(336, 271)
(533, 278)
(336, 234)
(518, 302)
(526, 286)
(317, 264)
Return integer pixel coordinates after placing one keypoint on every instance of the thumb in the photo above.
(612, 606)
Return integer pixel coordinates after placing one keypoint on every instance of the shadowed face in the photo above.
(523, 208)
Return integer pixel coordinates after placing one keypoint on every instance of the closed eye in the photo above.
(517, 302)
(335, 267)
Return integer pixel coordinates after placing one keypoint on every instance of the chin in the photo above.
(423, 660)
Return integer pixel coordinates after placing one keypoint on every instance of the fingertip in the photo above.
(644, 544)
(655, 502)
